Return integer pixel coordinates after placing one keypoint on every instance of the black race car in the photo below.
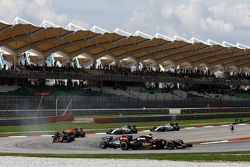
(126, 142)
(63, 137)
(177, 144)
(127, 129)
(141, 142)
(168, 127)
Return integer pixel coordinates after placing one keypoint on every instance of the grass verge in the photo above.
(102, 127)
(228, 156)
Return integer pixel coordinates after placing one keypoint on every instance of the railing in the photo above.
(117, 77)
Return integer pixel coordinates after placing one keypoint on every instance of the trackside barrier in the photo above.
(143, 119)
(26, 121)
(104, 120)
(215, 110)
(60, 118)
(210, 116)
(220, 105)
(169, 118)
(39, 120)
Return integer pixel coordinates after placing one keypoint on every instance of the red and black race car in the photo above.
(68, 135)
(77, 132)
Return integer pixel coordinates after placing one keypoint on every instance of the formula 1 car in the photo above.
(177, 144)
(142, 142)
(168, 127)
(127, 129)
(110, 142)
(63, 137)
(76, 132)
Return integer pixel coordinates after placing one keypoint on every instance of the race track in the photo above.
(90, 144)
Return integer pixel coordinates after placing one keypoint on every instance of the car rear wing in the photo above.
(125, 138)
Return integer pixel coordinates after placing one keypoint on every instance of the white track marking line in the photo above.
(100, 133)
(215, 142)
(208, 126)
(190, 128)
(225, 125)
(241, 124)
(46, 135)
(146, 130)
(16, 136)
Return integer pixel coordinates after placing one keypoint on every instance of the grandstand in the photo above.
(95, 68)
(86, 47)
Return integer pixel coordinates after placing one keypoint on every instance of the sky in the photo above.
(219, 20)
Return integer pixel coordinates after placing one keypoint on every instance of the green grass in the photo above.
(102, 127)
(229, 156)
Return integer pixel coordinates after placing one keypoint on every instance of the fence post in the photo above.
(25, 106)
(71, 106)
(67, 107)
(16, 106)
(39, 106)
(147, 100)
(56, 106)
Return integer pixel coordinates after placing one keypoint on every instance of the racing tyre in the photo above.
(55, 139)
(65, 141)
(154, 145)
(159, 144)
(103, 145)
(72, 138)
(163, 142)
(170, 145)
(124, 146)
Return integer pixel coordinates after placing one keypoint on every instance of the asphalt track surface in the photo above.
(90, 144)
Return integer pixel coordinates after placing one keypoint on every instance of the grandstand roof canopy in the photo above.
(74, 40)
